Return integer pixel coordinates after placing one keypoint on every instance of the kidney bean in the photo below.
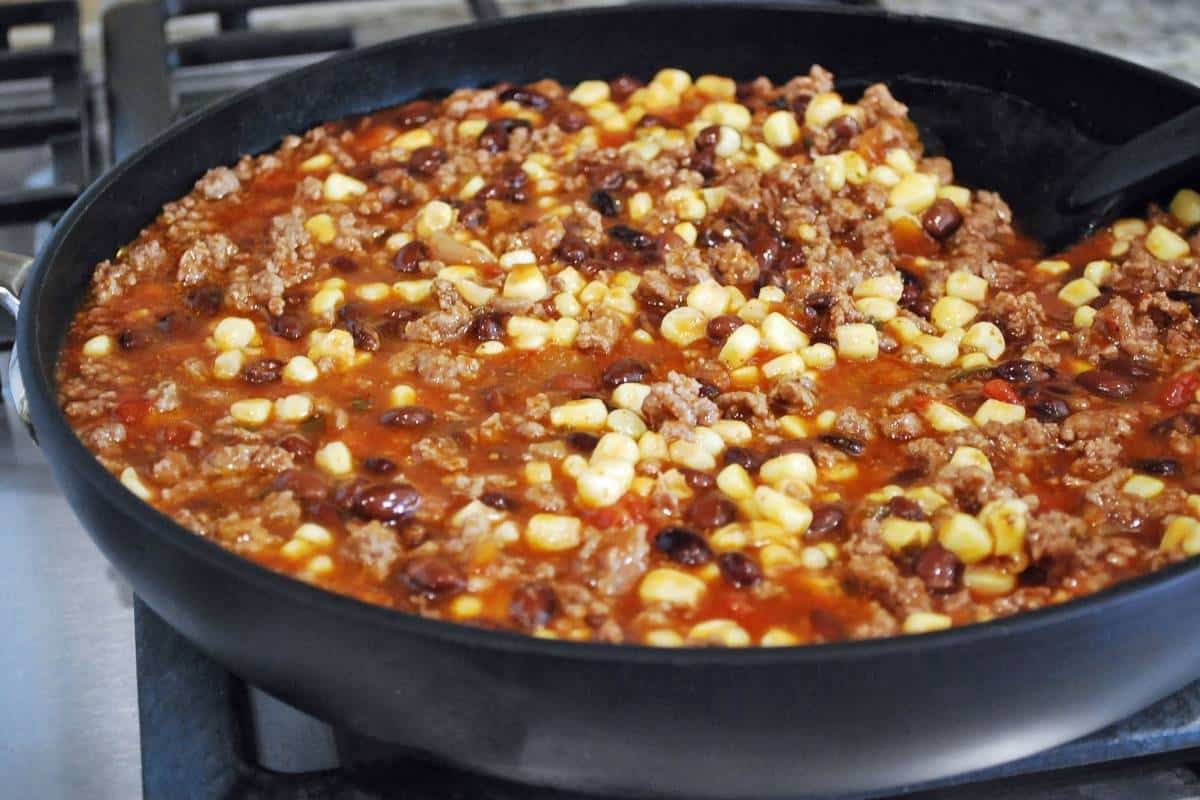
(204, 300)
(939, 568)
(487, 326)
(409, 257)
(743, 457)
(322, 512)
(626, 370)
(941, 219)
(390, 502)
(582, 441)
(265, 370)
(300, 448)
(494, 138)
(379, 465)
(847, 444)
(526, 97)
(712, 510)
(345, 494)
(499, 501)
(304, 486)
(820, 301)
(605, 203)
(700, 481)
(418, 112)
(1133, 368)
(906, 508)
(287, 326)
(631, 236)
(134, 339)
(425, 161)
(572, 250)
(844, 128)
(533, 605)
(1163, 467)
(1106, 383)
(708, 391)
(569, 120)
(721, 328)
(406, 417)
(739, 569)
(708, 137)
(826, 519)
(1186, 423)
(683, 546)
(622, 86)
(799, 103)
(433, 577)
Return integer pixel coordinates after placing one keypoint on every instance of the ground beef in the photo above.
(239, 458)
(218, 183)
(435, 366)
(878, 577)
(443, 452)
(105, 437)
(373, 545)
(732, 264)
(679, 398)
(171, 468)
(854, 424)
(205, 256)
(1130, 333)
(901, 427)
(656, 290)
(798, 393)
(752, 407)
(600, 332)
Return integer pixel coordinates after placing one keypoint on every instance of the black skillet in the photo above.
(1014, 112)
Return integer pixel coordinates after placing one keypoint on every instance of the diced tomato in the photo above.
(1180, 391)
(132, 411)
(1002, 390)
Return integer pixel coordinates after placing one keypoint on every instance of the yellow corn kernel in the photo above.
(766, 159)
(914, 193)
(228, 365)
(709, 298)
(293, 408)
(640, 205)
(1166, 245)
(778, 637)
(674, 80)
(434, 216)
(787, 468)
(988, 581)
(793, 426)
(251, 412)
(925, 622)
(671, 587)
(900, 160)
(733, 431)
(618, 446)
(318, 162)
(334, 459)
(734, 481)
(296, 549)
(553, 532)
(877, 309)
(945, 419)
(102, 345)
(967, 456)
(959, 195)
(300, 370)
(939, 350)
(888, 287)
(969, 287)
(787, 512)
(1007, 520)
(999, 411)
(538, 472)
(718, 632)
(326, 301)
(833, 170)
(133, 482)
(589, 93)
(602, 487)
(336, 345)
(691, 455)
(899, 534)
(1143, 486)
(322, 228)
(1084, 317)
(780, 129)
(858, 341)
(663, 638)
(624, 421)
(986, 338)
(716, 87)
(587, 414)
(686, 231)
(471, 128)
(1079, 292)
(952, 312)
(339, 188)
(1098, 272)
(771, 294)
(729, 141)
(517, 258)
(819, 356)
(1182, 533)
(780, 334)
(1053, 267)
(708, 439)
(966, 537)
(313, 534)
(1185, 207)
(786, 364)
(490, 348)
(740, 347)
(884, 176)
(754, 311)
(904, 330)
(411, 140)
(653, 447)
(1129, 229)
(630, 395)
(683, 326)
(823, 109)
(525, 282)
(734, 115)
(413, 291)
(826, 419)
(401, 395)
(234, 333)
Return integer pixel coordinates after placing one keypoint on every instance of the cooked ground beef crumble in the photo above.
(677, 362)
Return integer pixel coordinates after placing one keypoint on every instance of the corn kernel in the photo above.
(228, 365)
(589, 93)
(296, 549)
(733, 431)
(525, 282)
(793, 426)
(317, 162)
(133, 482)
(734, 481)
(413, 291)
(789, 467)
(780, 334)
(766, 159)
(339, 188)
(691, 455)
(819, 356)
(322, 228)
(674, 80)
(716, 87)
(823, 109)
(969, 287)
(708, 439)
(98, 346)
(899, 534)
(587, 414)
(900, 160)
(313, 534)
(778, 637)
(740, 347)
(1078, 292)
(952, 312)
(1166, 245)
(1098, 272)
(686, 231)
(336, 345)
(640, 205)
(967, 456)
(251, 412)
(999, 411)
(959, 195)
(939, 350)
(538, 472)
(653, 447)
(1128, 229)
(553, 532)
(605, 483)
(294, 408)
(884, 176)
(888, 287)
(826, 419)
(986, 338)
(1185, 207)
(434, 216)
(988, 581)
(925, 622)
(719, 632)
(1007, 520)
(914, 193)
(1182, 533)
(234, 333)
(753, 311)
(945, 419)
(734, 115)
(780, 129)
(709, 298)
(833, 170)
(663, 638)
(326, 301)
(966, 537)
(630, 395)
(671, 587)
(780, 366)
(877, 309)
(1143, 486)
(790, 514)
(334, 459)
(300, 370)
(858, 341)
(1053, 267)
(683, 326)
(771, 294)
(411, 140)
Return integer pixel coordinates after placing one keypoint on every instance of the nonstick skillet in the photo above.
(1015, 114)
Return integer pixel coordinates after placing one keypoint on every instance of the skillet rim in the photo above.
(56, 433)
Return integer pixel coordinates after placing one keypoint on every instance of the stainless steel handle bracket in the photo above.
(13, 269)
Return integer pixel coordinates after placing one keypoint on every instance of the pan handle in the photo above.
(13, 269)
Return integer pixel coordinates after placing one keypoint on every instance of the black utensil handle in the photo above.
(1140, 161)
(485, 9)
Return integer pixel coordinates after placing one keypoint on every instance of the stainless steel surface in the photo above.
(12, 271)
(68, 701)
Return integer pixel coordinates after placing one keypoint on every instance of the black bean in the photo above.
(379, 465)
(300, 448)
(708, 137)
(744, 458)
(390, 502)
(1133, 368)
(433, 577)
(418, 112)
(304, 486)
(573, 251)
(425, 161)
(494, 138)
(1021, 370)
(1163, 467)
(570, 120)
(826, 519)
(204, 300)
(581, 441)
(800, 103)
(708, 391)
(533, 605)
(605, 203)
(820, 301)
(847, 444)
(409, 257)
(712, 510)
(683, 546)
(265, 370)
(1050, 409)
(487, 326)
(1106, 383)
(622, 86)
(526, 97)
(133, 339)
(626, 370)
(287, 326)
(631, 236)
(844, 128)
(941, 219)
(908, 475)
(1186, 423)
(939, 568)
(406, 417)
(499, 501)
(906, 508)
(700, 481)
(739, 569)
(721, 328)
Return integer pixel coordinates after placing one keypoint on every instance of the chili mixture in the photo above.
(683, 362)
